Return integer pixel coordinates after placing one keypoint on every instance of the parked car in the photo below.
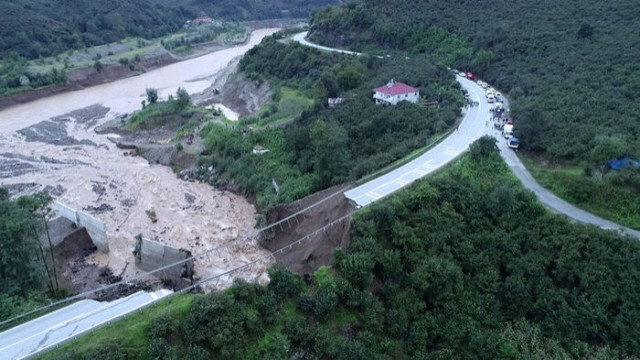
(470, 76)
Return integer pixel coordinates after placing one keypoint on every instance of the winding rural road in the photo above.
(475, 123)
(58, 327)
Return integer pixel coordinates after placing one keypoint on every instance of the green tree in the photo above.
(483, 59)
(152, 95)
(607, 148)
(21, 269)
(38, 206)
(320, 137)
(483, 147)
(351, 76)
(183, 100)
(97, 65)
(283, 283)
(356, 267)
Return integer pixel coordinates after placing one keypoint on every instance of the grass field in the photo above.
(290, 103)
(606, 197)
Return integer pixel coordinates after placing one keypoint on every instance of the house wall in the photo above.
(393, 100)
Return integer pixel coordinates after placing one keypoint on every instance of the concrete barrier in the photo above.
(151, 255)
(97, 229)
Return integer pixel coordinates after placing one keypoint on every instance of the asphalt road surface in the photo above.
(301, 38)
(476, 122)
(51, 330)
(48, 331)
(549, 199)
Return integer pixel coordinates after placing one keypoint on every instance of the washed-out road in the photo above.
(54, 329)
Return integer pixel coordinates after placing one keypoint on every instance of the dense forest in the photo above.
(40, 28)
(323, 146)
(27, 276)
(570, 67)
(464, 265)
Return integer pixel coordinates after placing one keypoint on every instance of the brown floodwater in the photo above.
(87, 171)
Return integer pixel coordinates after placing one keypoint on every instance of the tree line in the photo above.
(36, 28)
(28, 276)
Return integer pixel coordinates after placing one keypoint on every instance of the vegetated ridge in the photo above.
(570, 70)
(313, 146)
(464, 265)
(40, 28)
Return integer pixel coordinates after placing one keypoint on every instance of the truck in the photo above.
(507, 130)
(513, 142)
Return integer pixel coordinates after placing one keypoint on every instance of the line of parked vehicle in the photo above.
(496, 107)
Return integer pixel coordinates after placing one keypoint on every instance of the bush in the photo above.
(152, 95)
(283, 283)
(183, 100)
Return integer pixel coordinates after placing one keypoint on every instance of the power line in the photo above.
(194, 257)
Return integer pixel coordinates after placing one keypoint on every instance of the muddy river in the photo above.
(51, 144)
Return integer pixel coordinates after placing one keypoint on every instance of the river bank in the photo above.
(51, 144)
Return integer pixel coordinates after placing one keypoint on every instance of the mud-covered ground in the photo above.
(306, 256)
(236, 92)
(51, 144)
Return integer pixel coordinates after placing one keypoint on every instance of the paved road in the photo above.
(301, 38)
(549, 199)
(472, 127)
(44, 333)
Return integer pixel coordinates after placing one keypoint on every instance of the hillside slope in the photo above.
(34, 28)
(442, 270)
(571, 67)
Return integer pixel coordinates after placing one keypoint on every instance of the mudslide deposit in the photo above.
(51, 144)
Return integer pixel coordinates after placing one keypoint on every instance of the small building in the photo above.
(333, 102)
(394, 92)
(259, 150)
(202, 20)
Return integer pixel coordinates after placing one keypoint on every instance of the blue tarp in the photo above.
(623, 163)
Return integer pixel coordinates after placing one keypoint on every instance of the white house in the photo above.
(394, 92)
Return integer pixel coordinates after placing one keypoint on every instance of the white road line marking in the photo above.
(129, 311)
(374, 195)
(419, 172)
(65, 322)
(401, 182)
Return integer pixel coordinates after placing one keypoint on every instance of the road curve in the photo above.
(302, 39)
(474, 125)
(550, 200)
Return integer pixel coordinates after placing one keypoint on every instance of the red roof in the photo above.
(202, 19)
(395, 88)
